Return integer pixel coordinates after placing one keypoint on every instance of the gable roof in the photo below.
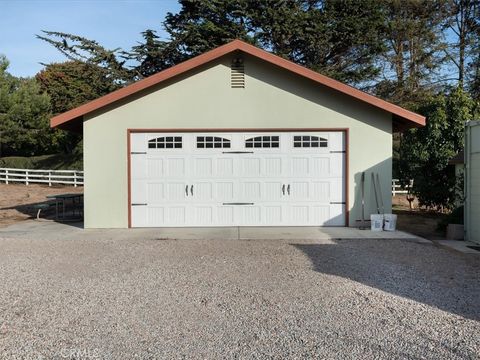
(72, 119)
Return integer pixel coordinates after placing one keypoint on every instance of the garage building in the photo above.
(234, 137)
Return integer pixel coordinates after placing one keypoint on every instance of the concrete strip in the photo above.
(458, 245)
(49, 230)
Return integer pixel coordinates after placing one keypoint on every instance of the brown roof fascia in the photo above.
(411, 118)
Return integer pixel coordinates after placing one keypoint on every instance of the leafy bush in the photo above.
(425, 152)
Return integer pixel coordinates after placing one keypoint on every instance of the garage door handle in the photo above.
(283, 189)
(186, 190)
(288, 189)
(191, 190)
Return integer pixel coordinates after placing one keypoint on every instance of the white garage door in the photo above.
(238, 179)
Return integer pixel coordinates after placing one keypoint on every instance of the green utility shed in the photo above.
(472, 181)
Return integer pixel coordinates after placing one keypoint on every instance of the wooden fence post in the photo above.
(6, 177)
(26, 177)
(75, 179)
(49, 178)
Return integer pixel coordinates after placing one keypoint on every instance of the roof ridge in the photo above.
(61, 120)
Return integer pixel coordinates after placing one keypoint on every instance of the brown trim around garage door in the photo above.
(344, 130)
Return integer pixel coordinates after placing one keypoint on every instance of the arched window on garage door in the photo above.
(263, 142)
(210, 142)
(307, 141)
(165, 142)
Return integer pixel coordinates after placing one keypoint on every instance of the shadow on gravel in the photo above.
(423, 273)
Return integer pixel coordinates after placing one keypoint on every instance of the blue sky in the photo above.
(112, 23)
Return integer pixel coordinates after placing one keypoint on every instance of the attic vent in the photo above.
(237, 74)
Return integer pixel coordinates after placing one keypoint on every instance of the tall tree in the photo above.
(413, 34)
(325, 35)
(71, 84)
(203, 25)
(24, 116)
(78, 48)
(152, 55)
(464, 22)
(341, 39)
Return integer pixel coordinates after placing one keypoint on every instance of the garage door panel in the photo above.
(175, 167)
(299, 190)
(202, 191)
(251, 214)
(273, 191)
(321, 191)
(337, 165)
(225, 167)
(156, 215)
(299, 214)
(320, 213)
(139, 216)
(203, 215)
(138, 167)
(138, 142)
(139, 192)
(176, 215)
(270, 183)
(300, 165)
(321, 166)
(176, 191)
(336, 216)
(203, 167)
(273, 214)
(225, 191)
(156, 193)
(250, 190)
(273, 166)
(251, 167)
(337, 190)
(225, 215)
(154, 168)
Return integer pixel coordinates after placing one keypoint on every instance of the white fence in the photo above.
(75, 178)
(29, 176)
(399, 189)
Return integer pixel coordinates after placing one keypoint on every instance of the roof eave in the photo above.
(411, 119)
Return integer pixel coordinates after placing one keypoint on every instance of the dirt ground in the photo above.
(15, 198)
(416, 221)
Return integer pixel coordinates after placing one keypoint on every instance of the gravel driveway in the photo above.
(162, 299)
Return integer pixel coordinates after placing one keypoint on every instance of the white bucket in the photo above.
(376, 221)
(390, 222)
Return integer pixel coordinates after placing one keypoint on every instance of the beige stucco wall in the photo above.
(273, 98)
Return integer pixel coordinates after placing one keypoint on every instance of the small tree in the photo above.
(425, 152)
